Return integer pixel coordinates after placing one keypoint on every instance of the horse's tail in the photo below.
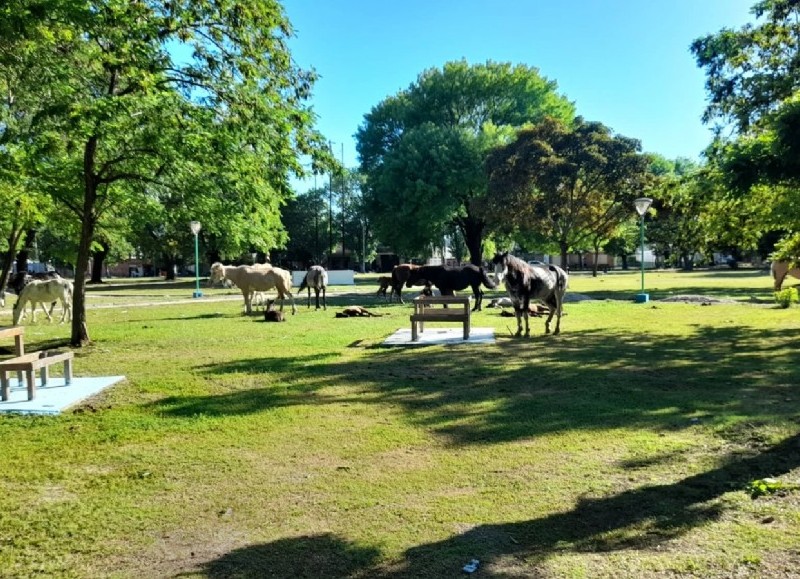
(562, 279)
(487, 281)
(303, 284)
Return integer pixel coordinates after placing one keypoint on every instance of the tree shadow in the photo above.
(521, 388)
(635, 519)
(323, 555)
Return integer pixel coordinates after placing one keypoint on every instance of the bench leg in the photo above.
(67, 372)
(4, 385)
(414, 335)
(45, 375)
(31, 383)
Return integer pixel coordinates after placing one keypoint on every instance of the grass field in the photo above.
(625, 447)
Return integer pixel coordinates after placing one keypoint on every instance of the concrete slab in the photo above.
(56, 396)
(433, 335)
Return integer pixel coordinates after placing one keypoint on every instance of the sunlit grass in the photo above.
(622, 447)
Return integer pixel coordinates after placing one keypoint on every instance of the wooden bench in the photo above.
(425, 310)
(17, 332)
(29, 364)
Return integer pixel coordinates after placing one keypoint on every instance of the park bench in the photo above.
(29, 364)
(426, 310)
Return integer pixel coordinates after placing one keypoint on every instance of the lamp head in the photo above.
(195, 227)
(642, 205)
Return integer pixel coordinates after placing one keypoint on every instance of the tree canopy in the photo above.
(194, 104)
(422, 150)
(571, 183)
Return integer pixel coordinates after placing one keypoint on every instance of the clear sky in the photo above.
(624, 63)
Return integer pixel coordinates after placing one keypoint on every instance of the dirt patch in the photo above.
(698, 299)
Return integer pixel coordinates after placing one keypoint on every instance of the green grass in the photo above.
(627, 446)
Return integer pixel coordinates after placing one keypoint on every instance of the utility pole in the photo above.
(330, 212)
(343, 205)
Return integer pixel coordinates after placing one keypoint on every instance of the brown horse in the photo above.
(452, 279)
(400, 275)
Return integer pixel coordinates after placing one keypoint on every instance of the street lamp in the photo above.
(195, 227)
(642, 205)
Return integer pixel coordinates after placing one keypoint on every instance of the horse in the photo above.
(316, 277)
(779, 270)
(255, 279)
(525, 282)
(451, 279)
(384, 282)
(42, 292)
(400, 275)
(17, 282)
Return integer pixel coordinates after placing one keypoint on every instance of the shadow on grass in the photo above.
(522, 388)
(635, 519)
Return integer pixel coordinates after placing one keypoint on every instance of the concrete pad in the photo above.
(56, 396)
(434, 335)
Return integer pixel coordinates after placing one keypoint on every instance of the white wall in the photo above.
(335, 277)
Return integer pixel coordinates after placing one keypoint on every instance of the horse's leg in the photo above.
(526, 304)
(291, 297)
(44, 309)
(478, 295)
(248, 296)
(308, 303)
(324, 298)
(559, 305)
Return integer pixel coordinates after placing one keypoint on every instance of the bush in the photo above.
(786, 297)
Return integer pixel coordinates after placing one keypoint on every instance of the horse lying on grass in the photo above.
(525, 282)
(317, 278)
(452, 279)
(255, 279)
(45, 292)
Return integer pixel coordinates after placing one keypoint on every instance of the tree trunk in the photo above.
(563, 247)
(80, 331)
(169, 267)
(98, 260)
(8, 257)
(624, 257)
(594, 265)
(473, 236)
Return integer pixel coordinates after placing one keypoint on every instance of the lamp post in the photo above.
(642, 205)
(195, 227)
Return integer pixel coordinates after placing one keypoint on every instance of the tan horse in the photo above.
(251, 279)
(779, 270)
(45, 292)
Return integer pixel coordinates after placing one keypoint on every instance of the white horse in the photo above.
(317, 278)
(45, 292)
(255, 279)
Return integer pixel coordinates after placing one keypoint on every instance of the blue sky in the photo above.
(625, 63)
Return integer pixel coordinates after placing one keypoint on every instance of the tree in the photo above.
(174, 95)
(422, 150)
(569, 183)
(753, 82)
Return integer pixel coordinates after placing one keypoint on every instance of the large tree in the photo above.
(571, 183)
(182, 95)
(753, 82)
(422, 150)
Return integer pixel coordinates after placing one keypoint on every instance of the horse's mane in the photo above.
(515, 262)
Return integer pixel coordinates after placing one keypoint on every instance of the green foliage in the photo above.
(422, 150)
(194, 106)
(570, 183)
(786, 297)
(768, 486)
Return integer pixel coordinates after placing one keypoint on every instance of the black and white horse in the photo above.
(524, 282)
(317, 278)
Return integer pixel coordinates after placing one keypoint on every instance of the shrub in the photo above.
(786, 297)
